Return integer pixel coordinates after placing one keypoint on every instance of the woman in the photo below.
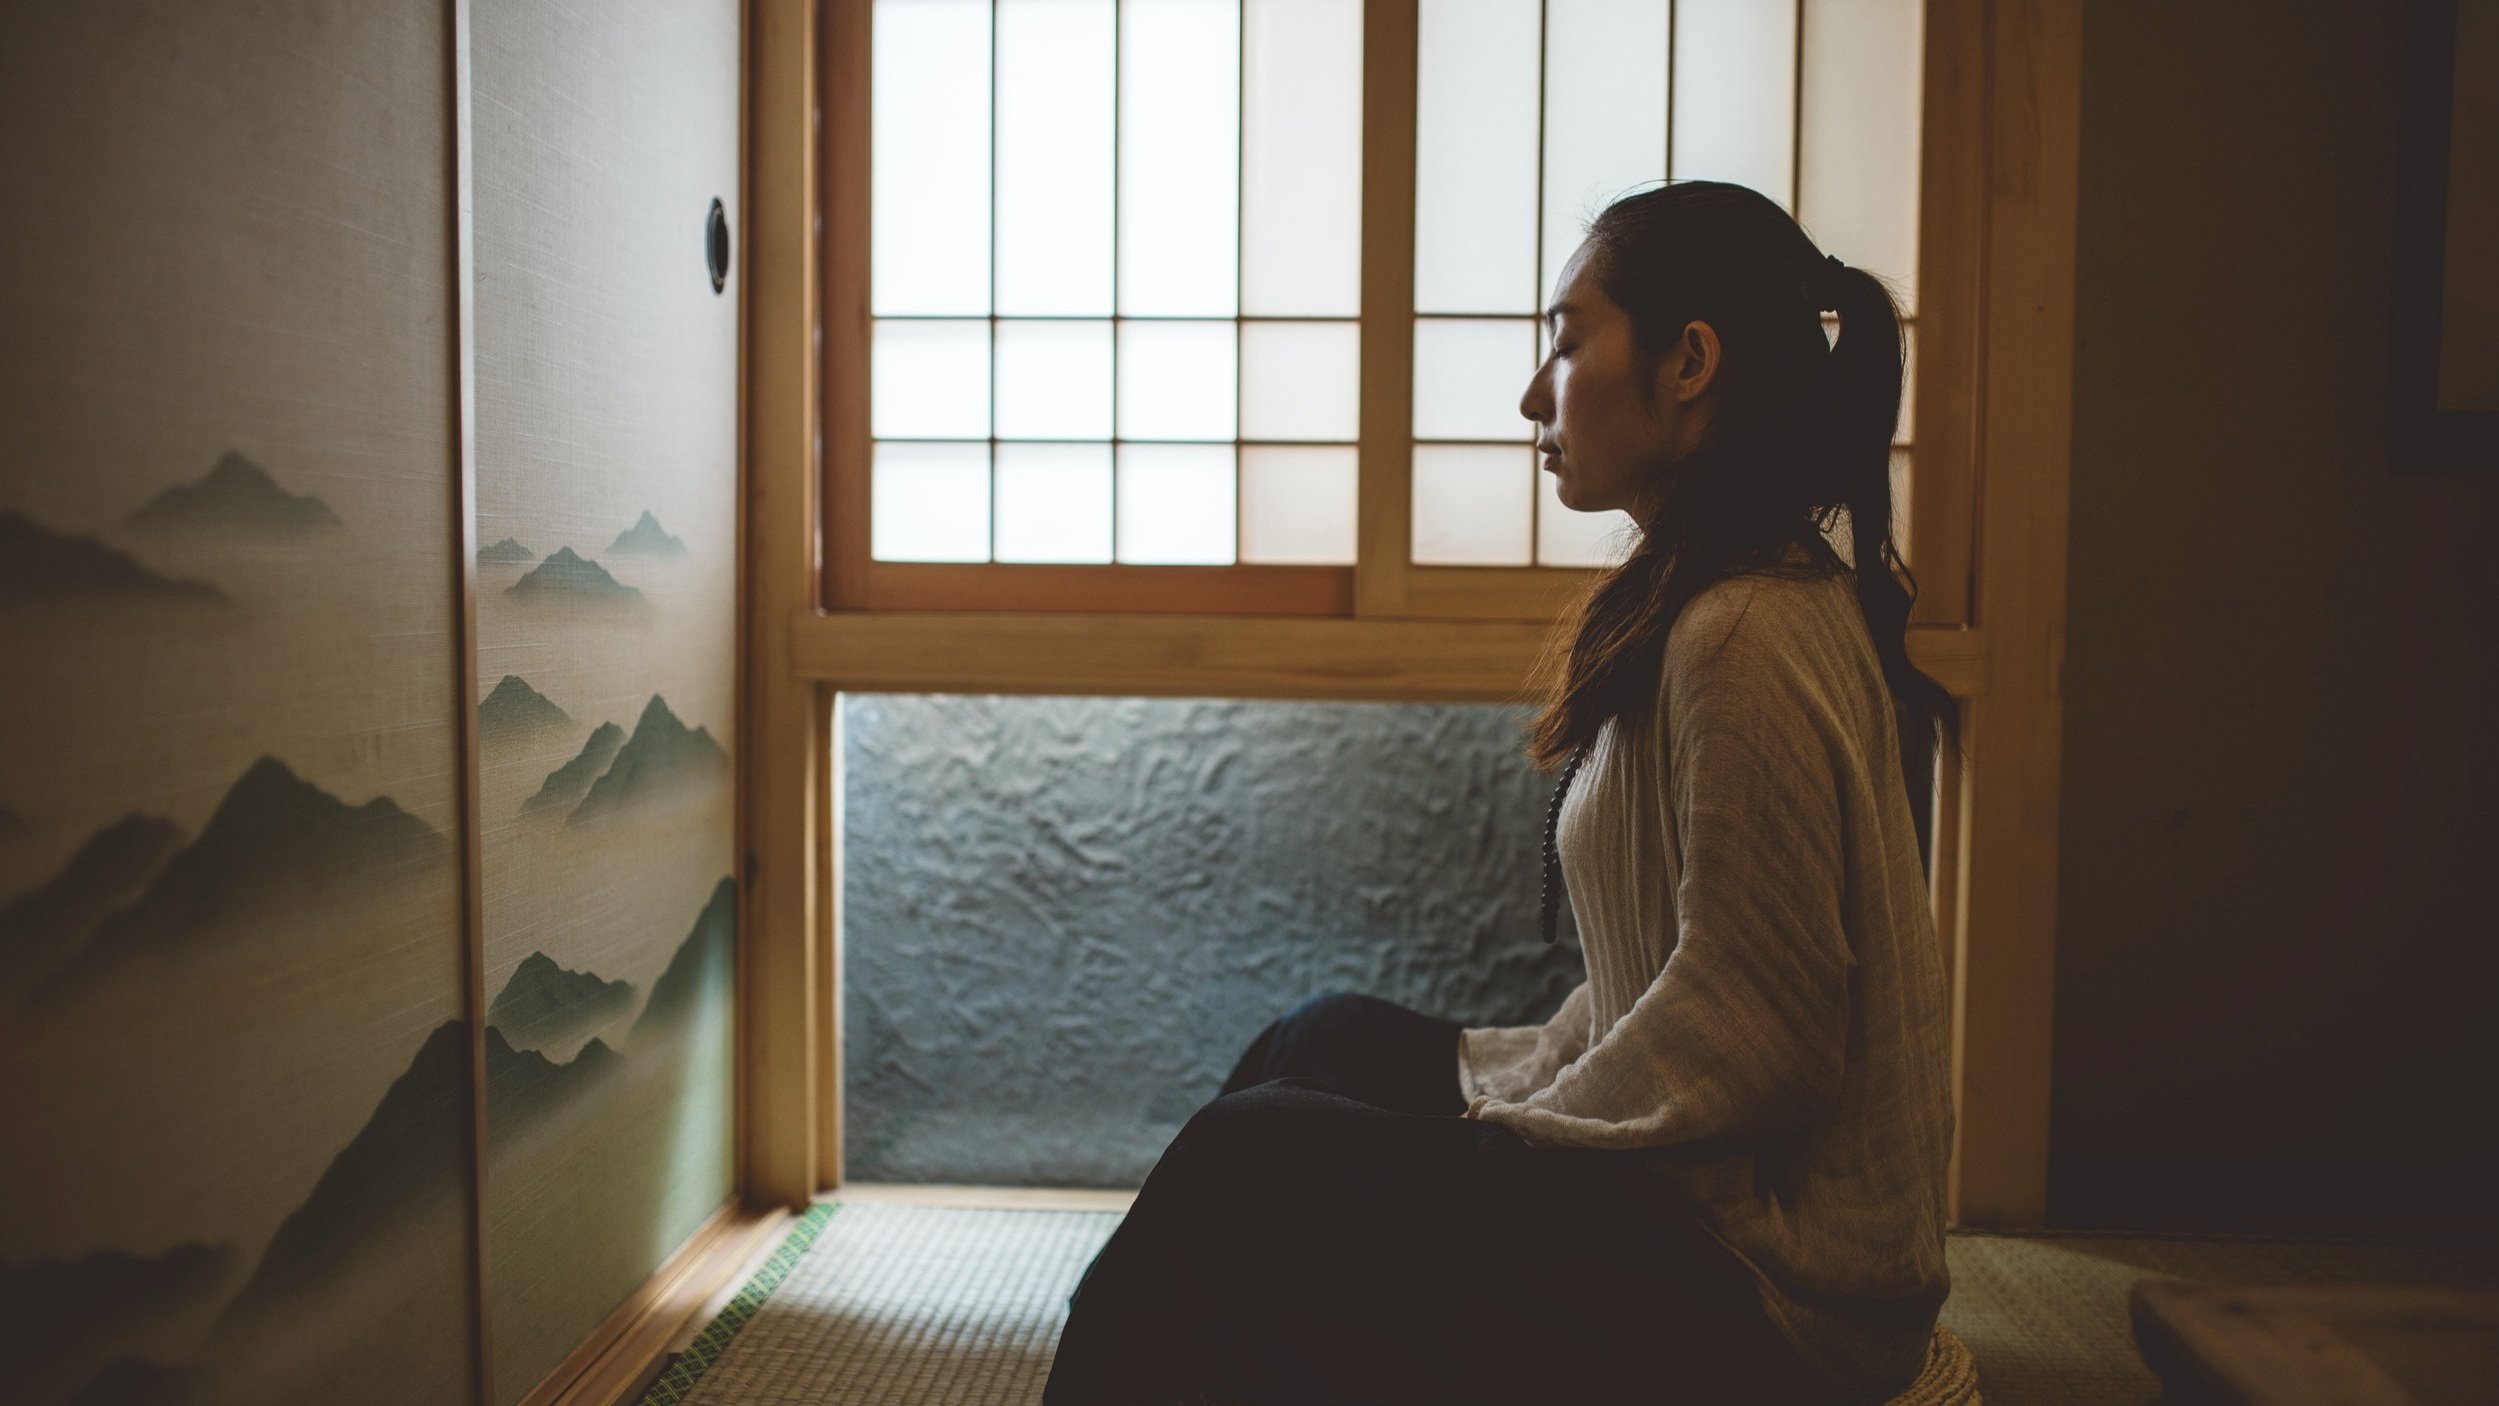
(1716, 1173)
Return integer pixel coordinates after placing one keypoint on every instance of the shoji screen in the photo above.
(1116, 275)
(236, 1088)
(1532, 115)
(607, 510)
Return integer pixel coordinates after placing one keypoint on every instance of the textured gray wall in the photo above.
(1065, 918)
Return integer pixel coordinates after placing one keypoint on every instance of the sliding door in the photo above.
(607, 482)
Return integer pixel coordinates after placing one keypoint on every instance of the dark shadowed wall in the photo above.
(1065, 918)
(2276, 975)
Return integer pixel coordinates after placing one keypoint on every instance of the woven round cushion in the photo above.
(1950, 1377)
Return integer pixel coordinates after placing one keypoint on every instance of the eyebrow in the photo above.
(1558, 309)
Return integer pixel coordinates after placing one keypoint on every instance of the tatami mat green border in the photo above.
(706, 1348)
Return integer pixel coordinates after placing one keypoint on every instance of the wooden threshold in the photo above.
(1472, 661)
(990, 1198)
(619, 1360)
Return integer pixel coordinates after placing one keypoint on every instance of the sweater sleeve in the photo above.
(1743, 1033)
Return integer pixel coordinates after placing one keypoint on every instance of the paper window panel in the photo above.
(930, 502)
(1177, 503)
(1470, 374)
(1568, 537)
(1734, 94)
(1473, 504)
(1301, 152)
(1604, 115)
(1179, 157)
(1297, 505)
(929, 379)
(1056, 155)
(929, 222)
(1054, 502)
(1054, 380)
(1301, 380)
(1178, 380)
(1857, 177)
(1475, 182)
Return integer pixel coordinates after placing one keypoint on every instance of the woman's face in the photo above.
(1603, 445)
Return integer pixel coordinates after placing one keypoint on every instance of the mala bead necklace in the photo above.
(1553, 851)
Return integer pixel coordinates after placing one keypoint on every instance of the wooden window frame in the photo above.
(1991, 425)
(1384, 581)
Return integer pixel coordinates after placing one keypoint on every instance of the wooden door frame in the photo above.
(2003, 82)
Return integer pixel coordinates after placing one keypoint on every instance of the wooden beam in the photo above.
(1952, 228)
(1384, 508)
(1478, 661)
(2009, 836)
(781, 941)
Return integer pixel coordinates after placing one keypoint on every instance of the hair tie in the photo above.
(1824, 284)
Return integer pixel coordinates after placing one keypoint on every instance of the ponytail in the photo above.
(1861, 386)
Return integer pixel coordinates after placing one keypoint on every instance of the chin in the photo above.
(1570, 498)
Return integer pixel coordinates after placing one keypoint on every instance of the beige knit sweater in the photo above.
(1764, 1017)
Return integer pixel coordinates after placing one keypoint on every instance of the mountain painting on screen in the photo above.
(515, 714)
(619, 1124)
(237, 499)
(568, 579)
(567, 784)
(43, 927)
(547, 1007)
(663, 760)
(646, 539)
(231, 917)
(38, 565)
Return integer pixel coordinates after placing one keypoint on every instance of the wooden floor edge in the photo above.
(618, 1361)
(998, 1198)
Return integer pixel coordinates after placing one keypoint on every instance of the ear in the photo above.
(1692, 366)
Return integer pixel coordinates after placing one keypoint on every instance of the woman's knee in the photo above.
(1336, 1009)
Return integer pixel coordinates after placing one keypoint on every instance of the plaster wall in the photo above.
(1065, 918)
(2276, 987)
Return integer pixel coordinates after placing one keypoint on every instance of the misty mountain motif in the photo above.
(505, 552)
(571, 781)
(274, 841)
(43, 927)
(516, 713)
(663, 759)
(68, 1316)
(237, 497)
(703, 970)
(546, 1005)
(566, 579)
(645, 538)
(38, 564)
(524, 1086)
(403, 1176)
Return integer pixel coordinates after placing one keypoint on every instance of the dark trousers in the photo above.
(1330, 1230)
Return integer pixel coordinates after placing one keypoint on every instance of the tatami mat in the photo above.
(929, 1305)
(954, 1306)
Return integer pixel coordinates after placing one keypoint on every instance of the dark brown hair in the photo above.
(1800, 432)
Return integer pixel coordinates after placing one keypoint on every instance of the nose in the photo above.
(1531, 402)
